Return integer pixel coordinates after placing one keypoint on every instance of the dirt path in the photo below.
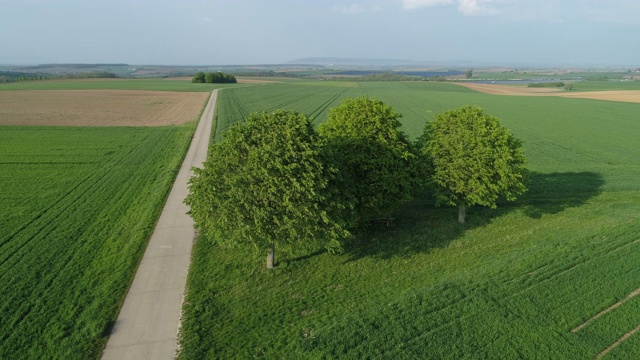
(147, 326)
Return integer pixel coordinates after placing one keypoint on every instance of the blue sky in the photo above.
(219, 32)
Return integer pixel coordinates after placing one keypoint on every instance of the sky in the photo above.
(229, 32)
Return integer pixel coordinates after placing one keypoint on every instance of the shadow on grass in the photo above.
(420, 226)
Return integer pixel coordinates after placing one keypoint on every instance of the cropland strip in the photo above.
(633, 294)
(618, 342)
(614, 95)
(99, 107)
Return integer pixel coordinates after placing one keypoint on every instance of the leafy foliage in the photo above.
(213, 78)
(265, 185)
(556, 84)
(468, 74)
(376, 163)
(475, 160)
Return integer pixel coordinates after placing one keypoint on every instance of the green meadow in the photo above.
(511, 283)
(113, 84)
(77, 207)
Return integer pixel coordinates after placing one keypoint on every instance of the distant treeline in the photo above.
(11, 76)
(214, 77)
(426, 74)
(376, 77)
(76, 66)
(546, 85)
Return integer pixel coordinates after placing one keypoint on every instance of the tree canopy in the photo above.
(265, 184)
(375, 161)
(475, 160)
(213, 77)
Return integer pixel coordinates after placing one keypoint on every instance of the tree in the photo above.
(199, 77)
(375, 161)
(265, 185)
(468, 74)
(475, 161)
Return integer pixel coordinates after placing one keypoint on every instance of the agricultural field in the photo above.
(75, 226)
(607, 95)
(553, 275)
(99, 107)
(114, 84)
(78, 205)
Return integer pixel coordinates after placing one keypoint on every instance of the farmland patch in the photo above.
(512, 283)
(613, 95)
(99, 107)
(77, 206)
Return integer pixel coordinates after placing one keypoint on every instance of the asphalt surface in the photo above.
(147, 326)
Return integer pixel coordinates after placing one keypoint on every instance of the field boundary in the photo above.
(148, 322)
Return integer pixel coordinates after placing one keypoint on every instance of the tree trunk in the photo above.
(462, 213)
(271, 257)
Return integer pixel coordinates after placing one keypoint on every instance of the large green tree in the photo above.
(199, 77)
(375, 161)
(474, 159)
(265, 185)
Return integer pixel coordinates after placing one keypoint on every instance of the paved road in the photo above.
(147, 326)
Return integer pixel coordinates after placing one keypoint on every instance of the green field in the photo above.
(114, 84)
(606, 85)
(511, 283)
(77, 207)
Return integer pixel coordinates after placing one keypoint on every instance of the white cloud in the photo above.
(414, 4)
(476, 7)
(466, 7)
(206, 19)
(351, 9)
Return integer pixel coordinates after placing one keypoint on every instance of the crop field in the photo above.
(99, 107)
(607, 95)
(77, 206)
(114, 84)
(554, 275)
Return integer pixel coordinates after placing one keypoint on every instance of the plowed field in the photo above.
(99, 107)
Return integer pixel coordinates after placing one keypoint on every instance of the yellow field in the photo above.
(610, 95)
(99, 107)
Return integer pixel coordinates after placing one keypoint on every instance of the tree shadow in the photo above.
(554, 192)
(420, 227)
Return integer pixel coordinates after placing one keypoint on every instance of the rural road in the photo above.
(147, 326)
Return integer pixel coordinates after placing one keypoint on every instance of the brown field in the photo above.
(99, 107)
(611, 95)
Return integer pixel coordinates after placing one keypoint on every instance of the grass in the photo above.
(511, 283)
(606, 85)
(115, 84)
(77, 207)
